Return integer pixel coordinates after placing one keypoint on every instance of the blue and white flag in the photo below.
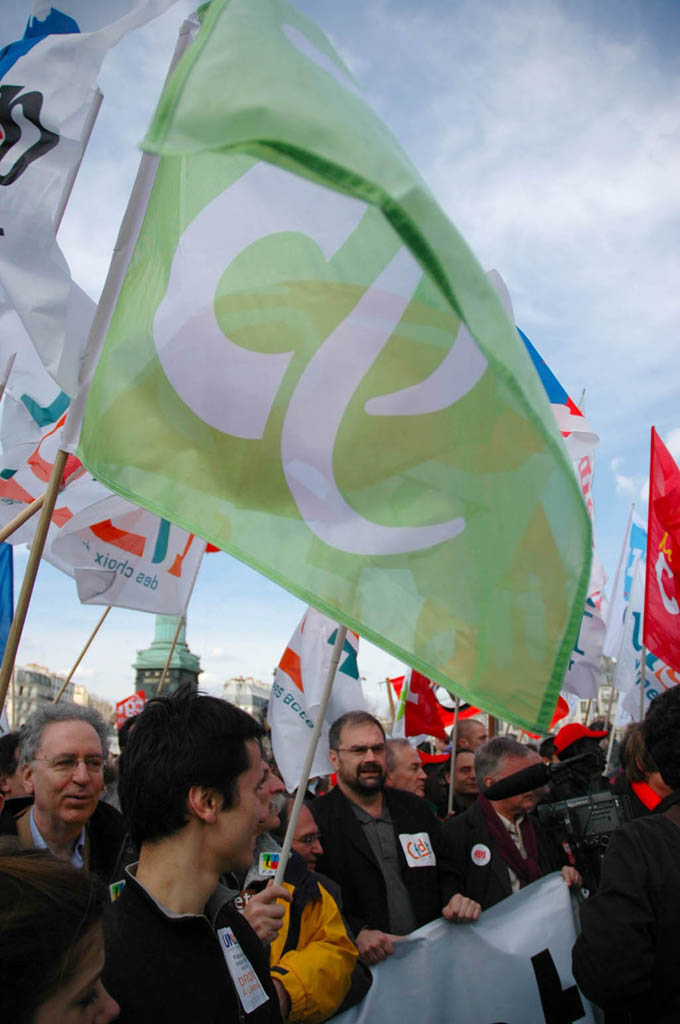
(48, 101)
(628, 670)
(633, 551)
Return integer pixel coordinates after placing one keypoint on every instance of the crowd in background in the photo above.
(151, 895)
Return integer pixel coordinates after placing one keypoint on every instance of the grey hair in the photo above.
(32, 732)
(392, 746)
(490, 756)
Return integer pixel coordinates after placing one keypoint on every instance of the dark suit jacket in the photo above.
(488, 883)
(349, 860)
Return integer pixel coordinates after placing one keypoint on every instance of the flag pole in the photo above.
(643, 666)
(30, 574)
(390, 697)
(313, 742)
(80, 657)
(610, 750)
(30, 510)
(454, 747)
(169, 659)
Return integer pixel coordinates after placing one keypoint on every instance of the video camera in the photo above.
(579, 812)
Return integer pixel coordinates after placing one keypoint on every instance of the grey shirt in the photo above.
(381, 838)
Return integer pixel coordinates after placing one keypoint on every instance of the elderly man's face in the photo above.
(66, 776)
(407, 771)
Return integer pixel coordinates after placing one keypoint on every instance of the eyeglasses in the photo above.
(377, 748)
(67, 764)
(309, 840)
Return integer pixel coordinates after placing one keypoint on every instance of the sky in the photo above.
(549, 132)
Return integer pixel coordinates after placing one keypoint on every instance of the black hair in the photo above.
(351, 718)
(661, 732)
(179, 741)
(9, 753)
(124, 731)
(547, 747)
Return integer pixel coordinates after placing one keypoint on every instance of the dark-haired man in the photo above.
(383, 846)
(626, 958)
(194, 790)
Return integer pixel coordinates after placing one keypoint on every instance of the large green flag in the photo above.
(307, 367)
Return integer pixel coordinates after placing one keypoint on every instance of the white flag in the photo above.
(584, 673)
(48, 101)
(633, 551)
(296, 694)
(628, 670)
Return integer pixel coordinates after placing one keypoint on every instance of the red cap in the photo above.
(568, 734)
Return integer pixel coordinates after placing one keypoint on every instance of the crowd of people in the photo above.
(167, 909)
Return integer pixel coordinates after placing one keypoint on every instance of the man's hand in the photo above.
(571, 876)
(284, 998)
(264, 914)
(461, 909)
(375, 946)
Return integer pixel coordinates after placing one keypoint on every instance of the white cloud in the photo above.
(624, 484)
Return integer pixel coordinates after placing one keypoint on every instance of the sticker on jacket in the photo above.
(246, 981)
(480, 855)
(269, 862)
(418, 850)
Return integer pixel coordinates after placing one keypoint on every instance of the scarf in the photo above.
(527, 870)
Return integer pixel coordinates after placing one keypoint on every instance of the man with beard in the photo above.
(382, 846)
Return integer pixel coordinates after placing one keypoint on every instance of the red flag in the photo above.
(561, 711)
(424, 715)
(130, 707)
(662, 589)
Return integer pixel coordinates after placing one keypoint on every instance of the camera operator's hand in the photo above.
(572, 877)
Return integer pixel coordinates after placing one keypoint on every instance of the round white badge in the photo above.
(480, 854)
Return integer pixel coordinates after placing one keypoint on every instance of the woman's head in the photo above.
(51, 943)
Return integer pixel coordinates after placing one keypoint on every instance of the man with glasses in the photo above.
(382, 846)
(61, 754)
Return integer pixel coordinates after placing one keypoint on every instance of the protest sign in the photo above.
(513, 966)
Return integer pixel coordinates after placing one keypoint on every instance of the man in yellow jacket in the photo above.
(311, 955)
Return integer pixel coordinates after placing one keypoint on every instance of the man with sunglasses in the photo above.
(61, 753)
(382, 846)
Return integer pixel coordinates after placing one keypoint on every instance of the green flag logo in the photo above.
(324, 389)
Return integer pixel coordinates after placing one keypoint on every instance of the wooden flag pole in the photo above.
(313, 742)
(390, 697)
(590, 701)
(454, 747)
(22, 517)
(172, 651)
(30, 574)
(80, 657)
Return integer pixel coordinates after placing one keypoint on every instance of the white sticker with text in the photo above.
(246, 981)
(418, 850)
(480, 854)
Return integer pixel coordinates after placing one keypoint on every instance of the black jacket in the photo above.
(172, 969)
(108, 848)
(487, 882)
(627, 958)
(349, 860)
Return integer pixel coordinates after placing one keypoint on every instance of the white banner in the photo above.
(584, 674)
(633, 551)
(627, 673)
(296, 694)
(513, 965)
(48, 103)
